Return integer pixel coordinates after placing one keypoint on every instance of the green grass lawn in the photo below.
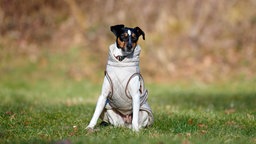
(58, 110)
(45, 106)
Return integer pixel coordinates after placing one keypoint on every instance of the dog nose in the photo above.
(129, 46)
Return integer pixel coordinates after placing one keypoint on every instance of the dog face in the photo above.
(127, 38)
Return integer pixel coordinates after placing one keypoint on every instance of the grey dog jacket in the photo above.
(119, 74)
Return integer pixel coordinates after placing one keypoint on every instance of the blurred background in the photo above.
(186, 40)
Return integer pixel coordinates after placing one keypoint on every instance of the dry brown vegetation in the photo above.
(185, 39)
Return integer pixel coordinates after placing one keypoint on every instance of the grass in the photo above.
(48, 112)
(44, 106)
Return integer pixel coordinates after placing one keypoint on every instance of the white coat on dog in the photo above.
(123, 99)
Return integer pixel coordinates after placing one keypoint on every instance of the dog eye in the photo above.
(124, 38)
(134, 39)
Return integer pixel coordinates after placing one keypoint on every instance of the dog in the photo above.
(123, 99)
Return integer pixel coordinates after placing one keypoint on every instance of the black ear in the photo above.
(140, 32)
(116, 29)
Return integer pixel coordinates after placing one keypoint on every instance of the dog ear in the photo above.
(116, 29)
(140, 32)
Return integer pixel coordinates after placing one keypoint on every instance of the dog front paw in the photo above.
(135, 128)
(90, 129)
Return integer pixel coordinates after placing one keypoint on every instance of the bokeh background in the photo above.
(187, 41)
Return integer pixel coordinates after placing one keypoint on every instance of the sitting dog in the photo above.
(123, 100)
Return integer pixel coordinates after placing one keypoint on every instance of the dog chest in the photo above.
(119, 73)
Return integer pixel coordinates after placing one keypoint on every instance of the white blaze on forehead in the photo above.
(129, 32)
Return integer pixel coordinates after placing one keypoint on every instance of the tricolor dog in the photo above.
(123, 99)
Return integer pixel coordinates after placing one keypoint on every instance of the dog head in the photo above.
(127, 38)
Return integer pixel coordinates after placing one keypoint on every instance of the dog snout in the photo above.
(129, 46)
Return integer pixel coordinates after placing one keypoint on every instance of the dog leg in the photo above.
(100, 104)
(133, 88)
(143, 119)
(115, 118)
